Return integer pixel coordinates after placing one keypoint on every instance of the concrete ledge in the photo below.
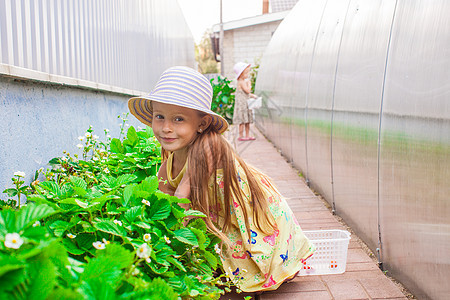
(32, 75)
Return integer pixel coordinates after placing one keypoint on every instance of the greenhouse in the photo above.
(341, 177)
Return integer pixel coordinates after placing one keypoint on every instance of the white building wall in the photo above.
(246, 44)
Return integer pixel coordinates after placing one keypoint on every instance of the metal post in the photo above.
(222, 60)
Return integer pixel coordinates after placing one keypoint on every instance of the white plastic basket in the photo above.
(330, 256)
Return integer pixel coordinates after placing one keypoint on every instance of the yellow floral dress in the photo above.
(263, 262)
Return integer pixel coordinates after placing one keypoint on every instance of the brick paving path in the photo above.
(362, 279)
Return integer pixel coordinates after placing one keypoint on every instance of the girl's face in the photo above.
(175, 127)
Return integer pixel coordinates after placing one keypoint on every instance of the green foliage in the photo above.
(99, 228)
(204, 55)
(254, 74)
(223, 98)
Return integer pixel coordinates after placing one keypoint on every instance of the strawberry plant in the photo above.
(97, 227)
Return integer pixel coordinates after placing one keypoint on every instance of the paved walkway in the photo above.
(362, 279)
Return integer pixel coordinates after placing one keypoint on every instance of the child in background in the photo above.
(263, 245)
(242, 114)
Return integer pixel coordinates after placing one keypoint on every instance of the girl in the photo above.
(242, 115)
(263, 243)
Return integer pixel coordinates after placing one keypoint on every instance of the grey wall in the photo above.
(39, 121)
(356, 95)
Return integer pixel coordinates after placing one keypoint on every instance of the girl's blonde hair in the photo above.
(209, 152)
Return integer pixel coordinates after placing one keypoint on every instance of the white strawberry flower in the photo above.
(147, 237)
(37, 223)
(81, 138)
(19, 174)
(13, 240)
(217, 248)
(135, 272)
(80, 146)
(146, 202)
(99, 245)
(167, 240)
(143, 251)
(117, 222)
(88, 134)
(71, 236)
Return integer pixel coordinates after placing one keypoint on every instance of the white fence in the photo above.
(122, 43)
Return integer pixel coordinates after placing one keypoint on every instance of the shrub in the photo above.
(98, 228)
(254, 74)
(223, 98)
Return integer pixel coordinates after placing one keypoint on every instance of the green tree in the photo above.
(205, 56)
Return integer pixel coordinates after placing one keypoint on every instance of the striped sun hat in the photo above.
(181, 86)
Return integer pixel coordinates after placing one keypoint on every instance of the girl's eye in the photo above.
(179, 119)
(159, 117)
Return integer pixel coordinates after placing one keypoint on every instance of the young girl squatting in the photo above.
(263, 244)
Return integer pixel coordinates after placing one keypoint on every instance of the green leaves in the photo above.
(32, 213)
(113, 183)
(159, 210)
(71, 247)
(78, 182)
(59, 227)
(116, 146)
(159, 289)
(15, 222)
(110, 227)
(99, 228)
(186, 236)
(132, 136)
(42, 278)
(223, 98)
(35, 277)
(131, 214)
(148, 186)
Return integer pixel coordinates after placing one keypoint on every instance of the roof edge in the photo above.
(260, 19)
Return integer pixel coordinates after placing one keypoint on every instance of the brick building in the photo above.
(246, 39)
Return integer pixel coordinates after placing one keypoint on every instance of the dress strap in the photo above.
(174, 182)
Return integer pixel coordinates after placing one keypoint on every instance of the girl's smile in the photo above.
(168, 140)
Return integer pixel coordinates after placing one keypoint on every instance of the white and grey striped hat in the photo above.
(181, 86)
